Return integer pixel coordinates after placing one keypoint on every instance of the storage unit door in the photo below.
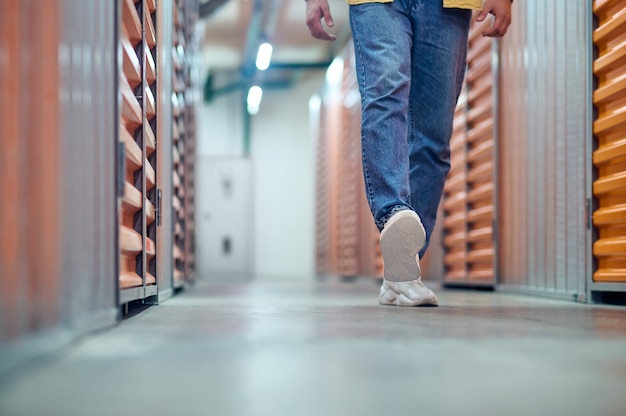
(322, 234)
(543, 149)
(469, 194)
(347, 238)
(137, 133)
(348, 176)
(184, 140)
(609, 128)
(454, 203)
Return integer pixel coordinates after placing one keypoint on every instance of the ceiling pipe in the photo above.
(252, 39)
(300, 65)
(249, 68)
(205, 9)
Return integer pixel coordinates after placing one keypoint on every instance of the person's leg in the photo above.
(382, 38)
(437, 70)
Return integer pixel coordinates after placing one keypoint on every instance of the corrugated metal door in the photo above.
(543, 139)
(609, 129)
(454, 203)
(183, 135)
(348, 178)
(327, 187)
(469, 193)
(365, 255)
(89, 122)
(346, 236)
(318, 121)
(137, 133)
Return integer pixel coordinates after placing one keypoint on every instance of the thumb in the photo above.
(481, 16)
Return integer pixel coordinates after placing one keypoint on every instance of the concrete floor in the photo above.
(305, 348)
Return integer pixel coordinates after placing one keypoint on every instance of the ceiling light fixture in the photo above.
(264, 56)
(255, 93)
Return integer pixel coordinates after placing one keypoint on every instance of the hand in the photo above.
(501, 9)
(315, 11)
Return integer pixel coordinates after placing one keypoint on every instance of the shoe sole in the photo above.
(400, 242)
(401, 300)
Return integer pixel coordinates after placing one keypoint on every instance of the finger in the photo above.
(314, 24)
(327, 16)
(325, 36)
(501, 25)
(504, 25)
(482, 15)
(319, 33)
(492, 32)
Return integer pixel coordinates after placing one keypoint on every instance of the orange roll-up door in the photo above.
(150, 123)
(131, 243)
(346, 236)
(609, 129)
(322, 235)
(183, 143)
(469, 197)
(138, 212)
(179, 132)
(364, 257)
(455, 200)
(348, 178)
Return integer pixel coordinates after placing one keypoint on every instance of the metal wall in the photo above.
(29, 159)
(88, 114)
(165, 33)
(544, 154)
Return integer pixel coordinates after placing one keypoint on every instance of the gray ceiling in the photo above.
(231, 30)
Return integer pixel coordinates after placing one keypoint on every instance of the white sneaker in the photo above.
(400, 242)
(411, 293)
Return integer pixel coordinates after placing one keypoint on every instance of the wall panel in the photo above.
(88, 103)
(164, 130)
(30, 148)
(544, 148)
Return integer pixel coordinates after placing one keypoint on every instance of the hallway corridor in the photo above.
(327, 348)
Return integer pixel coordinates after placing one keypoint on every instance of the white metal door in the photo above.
(225, 231)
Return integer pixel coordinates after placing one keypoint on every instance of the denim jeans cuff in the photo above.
(381, 222)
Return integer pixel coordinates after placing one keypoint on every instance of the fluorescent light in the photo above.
(263, 57)
(334, 73)
(315, 103)
(255, 93)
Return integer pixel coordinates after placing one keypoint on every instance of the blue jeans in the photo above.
(410, 64)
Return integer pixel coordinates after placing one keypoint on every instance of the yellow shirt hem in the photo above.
(461, 4)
